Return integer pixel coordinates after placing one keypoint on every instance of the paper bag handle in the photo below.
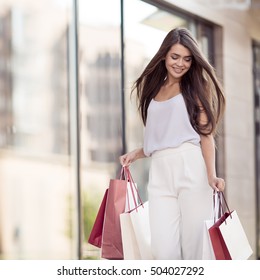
(132, 187)
(218, 196)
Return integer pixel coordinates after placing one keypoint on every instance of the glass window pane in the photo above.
(145, 28)
(37, 191)
(100, 105)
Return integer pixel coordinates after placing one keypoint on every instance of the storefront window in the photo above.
(37, 192)
(46, 154)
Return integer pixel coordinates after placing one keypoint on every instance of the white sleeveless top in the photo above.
(168, 125)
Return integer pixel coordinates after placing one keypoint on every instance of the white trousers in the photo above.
(180, 199)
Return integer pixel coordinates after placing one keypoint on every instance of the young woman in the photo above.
(181, 102)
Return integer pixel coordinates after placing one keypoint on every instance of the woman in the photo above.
(181, 102)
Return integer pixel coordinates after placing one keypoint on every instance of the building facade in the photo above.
(66, 71)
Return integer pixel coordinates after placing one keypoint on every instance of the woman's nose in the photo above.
(180, 62)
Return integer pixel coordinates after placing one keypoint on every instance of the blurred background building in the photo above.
(66, 71)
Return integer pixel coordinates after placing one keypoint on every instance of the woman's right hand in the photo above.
(130, 157)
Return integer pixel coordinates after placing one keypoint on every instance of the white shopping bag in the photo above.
(235, 238)
(141, 226)
(135, 231)
(130, 247)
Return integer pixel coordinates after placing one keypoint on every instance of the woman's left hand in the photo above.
(217, 184)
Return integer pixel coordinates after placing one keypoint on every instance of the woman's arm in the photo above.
(208, 152)
(132, 156)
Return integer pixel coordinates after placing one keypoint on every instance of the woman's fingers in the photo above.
(125, 160)
(218, 184)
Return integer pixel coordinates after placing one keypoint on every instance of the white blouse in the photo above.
(168, 125)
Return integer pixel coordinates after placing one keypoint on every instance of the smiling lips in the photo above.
(177, 70)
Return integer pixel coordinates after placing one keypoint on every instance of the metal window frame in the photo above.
(74, 113)
(255, 45)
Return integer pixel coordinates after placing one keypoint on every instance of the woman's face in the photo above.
(178, 61)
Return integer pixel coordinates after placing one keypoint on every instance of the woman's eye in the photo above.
(187, 59)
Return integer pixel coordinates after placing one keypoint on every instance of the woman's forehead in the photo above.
(180, 49)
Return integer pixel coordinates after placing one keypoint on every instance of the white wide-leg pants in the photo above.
(180, 199)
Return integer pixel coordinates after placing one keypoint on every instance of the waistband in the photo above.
(183, 147)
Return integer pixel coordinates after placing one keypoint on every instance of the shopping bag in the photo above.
(228, 237)
(111, 244)
(130, 245)
(218, 244)
(235, 238)
(135, 227)
(141, 225)
(136, 236)
(95, 236)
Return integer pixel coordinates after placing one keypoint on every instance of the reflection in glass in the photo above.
(100, 105)
(145, 28)
(37, 193)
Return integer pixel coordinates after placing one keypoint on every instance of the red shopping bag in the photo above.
(95, 236)
(218, 244)
(111, 246)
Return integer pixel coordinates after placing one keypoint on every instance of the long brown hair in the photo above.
(200, 87)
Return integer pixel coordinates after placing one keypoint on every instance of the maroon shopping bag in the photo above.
(111, 245)
(219, 246)
(95, 236)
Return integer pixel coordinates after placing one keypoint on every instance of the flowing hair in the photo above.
(200, 87)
